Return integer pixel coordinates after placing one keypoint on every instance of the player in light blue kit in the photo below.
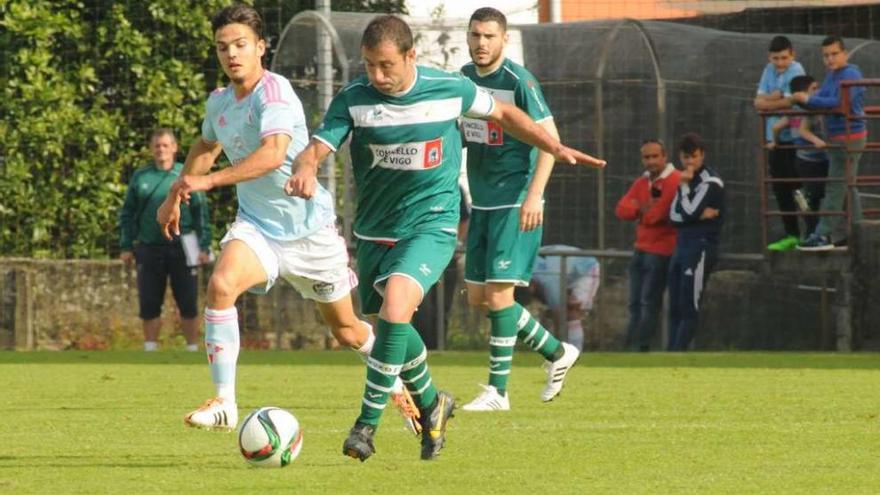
(258, 122)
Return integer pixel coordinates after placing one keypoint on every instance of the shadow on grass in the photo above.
(80, 461)
(828, 360)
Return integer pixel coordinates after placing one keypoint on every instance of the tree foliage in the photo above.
(84, 82)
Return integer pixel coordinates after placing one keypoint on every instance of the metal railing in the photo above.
(561, 313)
(851, 180)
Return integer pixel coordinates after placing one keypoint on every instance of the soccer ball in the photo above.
(270, 437)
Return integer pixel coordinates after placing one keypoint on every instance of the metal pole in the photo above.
(849, 192)
(562, 324)
(440, 314)
(325, 83)
(555, 11)
(762, 178)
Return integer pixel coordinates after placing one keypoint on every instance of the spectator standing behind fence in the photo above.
(811, 162)
(159, 259)
(850, 139)
(647, 202)
(774, 94)
(697, 213)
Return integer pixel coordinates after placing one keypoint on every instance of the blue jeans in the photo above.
(647, 281)
(689, 270)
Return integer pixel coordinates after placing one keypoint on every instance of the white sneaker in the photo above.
(407, 408)
(556, 371)
(214, 414)
(489, 400)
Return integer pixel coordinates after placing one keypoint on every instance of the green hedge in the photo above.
(84, 82)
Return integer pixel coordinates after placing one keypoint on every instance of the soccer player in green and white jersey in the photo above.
(507, 177)
(406, 153)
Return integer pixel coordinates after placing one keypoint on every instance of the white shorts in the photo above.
(316, 266)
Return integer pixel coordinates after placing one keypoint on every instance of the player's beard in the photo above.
(493, 58)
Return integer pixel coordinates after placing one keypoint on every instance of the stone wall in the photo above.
(866, 289)
(88, 304)
(93, 305)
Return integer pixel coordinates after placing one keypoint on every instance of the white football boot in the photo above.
(556, 371)
(489, 400)
(215, 414)
(405, 405)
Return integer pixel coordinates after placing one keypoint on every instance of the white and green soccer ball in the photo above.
(270, 437)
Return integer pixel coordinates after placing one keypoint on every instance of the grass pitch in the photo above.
(111, 422)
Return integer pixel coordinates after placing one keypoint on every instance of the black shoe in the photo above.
(434, 421)
(359, 443)
(816, 242)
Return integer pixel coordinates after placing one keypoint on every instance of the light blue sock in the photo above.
(222, 343)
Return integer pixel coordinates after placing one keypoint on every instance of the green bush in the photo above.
(84, 82)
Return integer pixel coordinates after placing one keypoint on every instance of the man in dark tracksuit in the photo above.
(697, 212)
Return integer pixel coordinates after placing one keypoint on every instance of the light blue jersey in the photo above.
(582, 275)
(239, 126)
(771, 81)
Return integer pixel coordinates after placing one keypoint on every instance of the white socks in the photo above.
(222, 342)
(367, 347)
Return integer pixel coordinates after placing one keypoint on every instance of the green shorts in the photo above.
(421, 257)
(497, 251)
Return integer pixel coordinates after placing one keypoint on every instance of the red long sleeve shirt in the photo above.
(654, 232)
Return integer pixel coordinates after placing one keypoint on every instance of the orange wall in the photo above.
(584, 10)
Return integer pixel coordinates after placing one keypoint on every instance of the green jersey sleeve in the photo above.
(337, 123)
(476, 102)
(530, 99)
(127, 220)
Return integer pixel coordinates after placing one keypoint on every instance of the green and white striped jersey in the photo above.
(499, 166)
(405, 150)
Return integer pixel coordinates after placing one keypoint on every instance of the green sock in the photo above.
(414, 373)
(501, 343)
(531, 333)
(383, 366)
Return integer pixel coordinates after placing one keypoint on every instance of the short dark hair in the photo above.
(779, 43)
(655, 141)
(488, 14)
(690, 143)
(801, 83)
(162, 131)
(830, 40)
(388, 28)
(239, 14)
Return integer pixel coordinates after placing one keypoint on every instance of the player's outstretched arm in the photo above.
(522, 127)
(303, 179)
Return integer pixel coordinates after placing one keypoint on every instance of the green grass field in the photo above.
(111, 422)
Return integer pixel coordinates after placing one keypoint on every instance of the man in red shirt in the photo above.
(647, 202)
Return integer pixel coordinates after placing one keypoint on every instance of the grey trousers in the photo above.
(835, 192)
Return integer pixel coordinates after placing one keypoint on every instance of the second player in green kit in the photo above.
(507, 177)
